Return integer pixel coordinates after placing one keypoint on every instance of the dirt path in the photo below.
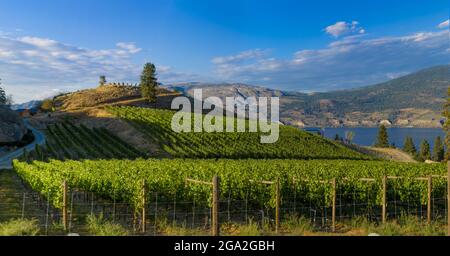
(391, 154)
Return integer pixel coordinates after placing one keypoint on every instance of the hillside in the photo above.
(412, 100)
(292, 143)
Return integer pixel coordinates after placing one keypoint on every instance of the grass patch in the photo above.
(99, 226)
(20, 227)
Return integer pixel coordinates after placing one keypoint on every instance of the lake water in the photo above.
(367, 136)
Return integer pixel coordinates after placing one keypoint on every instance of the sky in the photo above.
(53, 46)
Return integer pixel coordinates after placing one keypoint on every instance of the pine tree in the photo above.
(438, 150)
(149, 82)
(409, 146)
(3, 97)
(382, 138)
(102, 81)
(424, 153)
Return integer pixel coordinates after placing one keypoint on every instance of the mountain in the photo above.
(412, 100)
(26, 105)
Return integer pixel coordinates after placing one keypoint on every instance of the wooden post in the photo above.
(429, 200)
(64, 207)
(277, 206)
(144, 193)
(215, 229)
(383, 213)
(333, 211)
(448, 198)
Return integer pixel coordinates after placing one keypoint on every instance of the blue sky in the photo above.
(49, 46)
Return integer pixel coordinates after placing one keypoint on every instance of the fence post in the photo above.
(144, 193)
(64, 207)
(383, 217)
(277, 206)
(429, 199)
(333, 212)
(215, 207)
(448, 198)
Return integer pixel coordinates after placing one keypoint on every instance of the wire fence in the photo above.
(161, 212)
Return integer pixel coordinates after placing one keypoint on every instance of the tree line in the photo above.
(422, 154)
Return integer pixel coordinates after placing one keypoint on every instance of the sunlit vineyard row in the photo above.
(122, 180)
(67, 141)
(292, 143)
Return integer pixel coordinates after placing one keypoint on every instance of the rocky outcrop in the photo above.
(12, 128)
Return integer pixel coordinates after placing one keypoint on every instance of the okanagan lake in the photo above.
(367, 136)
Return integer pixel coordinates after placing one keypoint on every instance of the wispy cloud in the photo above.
(342, 28)
(35, 68)
(444, 24)
(347, 62)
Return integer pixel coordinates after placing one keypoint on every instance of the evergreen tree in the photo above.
(409, 146)
(3, 97)
(382, 138)
(424, 153)
(149, 82)
(336, 137)
(438, 150)
(102, 81)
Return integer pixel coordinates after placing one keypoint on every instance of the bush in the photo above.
(19, 227)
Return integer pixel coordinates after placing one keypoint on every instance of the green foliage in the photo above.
(102, 80)
(292, 143)
(20, 227)
(447, 124)
(382, 138)
(122, 179)
(99, 226)
(438, 150)
(424, 153)
(149, 82)
(409, 146)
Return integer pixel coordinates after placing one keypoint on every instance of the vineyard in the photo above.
(292, 144)
(67, 141)
(121, 180)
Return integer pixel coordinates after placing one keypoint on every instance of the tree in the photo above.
(337, 138)
(382, 138)
(447, 124)
(424, 153)
(3, 98)
(149, 82)
(349, 135)
(438, 150)
(409, 146)
(102, 81)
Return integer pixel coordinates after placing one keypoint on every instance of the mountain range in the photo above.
(414, 100)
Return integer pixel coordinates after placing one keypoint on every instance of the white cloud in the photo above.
(348, 62)
(444, 24)
(341, 28)
(33, 67)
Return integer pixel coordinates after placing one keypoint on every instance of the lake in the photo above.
(367, 136)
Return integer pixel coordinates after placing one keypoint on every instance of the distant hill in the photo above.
(26, 105)
(412, 100)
